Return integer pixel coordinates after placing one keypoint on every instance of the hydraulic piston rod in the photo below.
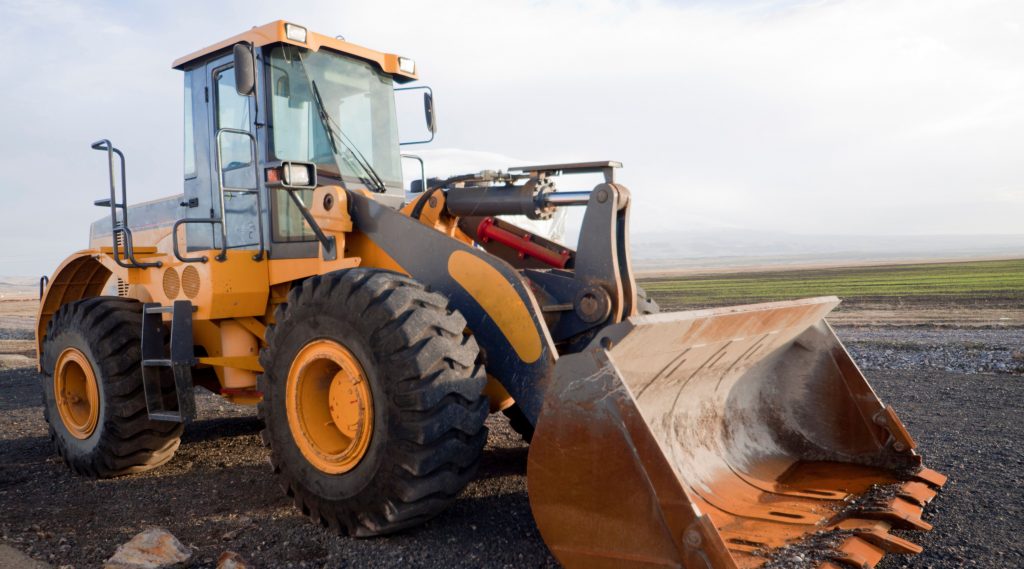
(559, 199)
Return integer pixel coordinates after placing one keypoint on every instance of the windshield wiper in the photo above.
(336, 135)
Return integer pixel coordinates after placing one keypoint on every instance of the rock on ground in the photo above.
(11, 558)
(231, 560)
(154, 548)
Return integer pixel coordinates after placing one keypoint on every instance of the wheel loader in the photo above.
(375, 331)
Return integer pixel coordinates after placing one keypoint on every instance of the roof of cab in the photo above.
(274, 32)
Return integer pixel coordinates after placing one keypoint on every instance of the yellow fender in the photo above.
(82, 275)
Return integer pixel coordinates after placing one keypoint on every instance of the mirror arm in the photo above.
(326, 241)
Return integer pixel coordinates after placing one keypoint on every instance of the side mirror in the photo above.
(245, 69)
(408, 107)
(428, 111)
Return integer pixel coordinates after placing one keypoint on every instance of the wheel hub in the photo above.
(329, 406)
(76, 393)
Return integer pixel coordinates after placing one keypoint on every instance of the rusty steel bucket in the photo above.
(731, 437)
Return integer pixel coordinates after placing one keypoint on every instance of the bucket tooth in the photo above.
(858, 553)
(931, 477)
(889, 542)
(721, 438)
(878, 533)
(898, 511)
(917, 492)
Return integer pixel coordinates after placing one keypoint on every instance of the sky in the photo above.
(846, 117)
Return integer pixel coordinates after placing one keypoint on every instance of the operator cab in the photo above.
(274, 112)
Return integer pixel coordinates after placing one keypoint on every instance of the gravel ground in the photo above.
(967, 426)
(217, 493)
(966, 350)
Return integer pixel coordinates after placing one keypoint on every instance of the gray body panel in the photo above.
(141, 217)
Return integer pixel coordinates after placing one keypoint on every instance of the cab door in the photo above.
(232, 158)
(197, 201)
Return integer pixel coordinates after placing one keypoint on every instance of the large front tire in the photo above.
(372, 400)
(92, 390)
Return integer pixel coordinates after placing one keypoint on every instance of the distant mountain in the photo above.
(17, 281)
(732, 247)
(18, 287)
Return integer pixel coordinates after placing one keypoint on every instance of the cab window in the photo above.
(190, 137)
(235, 149)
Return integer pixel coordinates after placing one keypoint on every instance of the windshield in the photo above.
(360, 102)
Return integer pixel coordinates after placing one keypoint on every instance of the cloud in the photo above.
(841, 116)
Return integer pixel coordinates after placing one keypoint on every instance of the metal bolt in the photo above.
(588, 304)
(432, 201)
(328, 202)
(692, 538)
(899, 447)
(602, 196)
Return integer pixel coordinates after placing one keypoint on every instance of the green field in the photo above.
(969, 284)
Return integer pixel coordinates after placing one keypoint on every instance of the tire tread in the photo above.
(433, 380)
(128, 441)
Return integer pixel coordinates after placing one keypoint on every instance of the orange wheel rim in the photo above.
(329, 406)
(76, 392)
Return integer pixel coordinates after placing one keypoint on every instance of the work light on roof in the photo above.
(406, 65)
(295, 33)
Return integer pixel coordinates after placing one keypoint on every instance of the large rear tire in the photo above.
(372, 400)
(93, 398)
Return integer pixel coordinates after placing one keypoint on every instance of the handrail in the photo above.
(119, 227)
(221, 220)
(203, 258)
(423, 170)
(220, 186)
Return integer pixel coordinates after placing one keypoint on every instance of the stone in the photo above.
(154, 548)
(231, 560)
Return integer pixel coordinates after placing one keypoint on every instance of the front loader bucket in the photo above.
(731, 437)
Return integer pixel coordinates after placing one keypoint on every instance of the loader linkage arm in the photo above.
(521, 317)
(589, 288)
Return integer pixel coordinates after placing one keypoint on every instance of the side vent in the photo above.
(172, 284)
(190, 282)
